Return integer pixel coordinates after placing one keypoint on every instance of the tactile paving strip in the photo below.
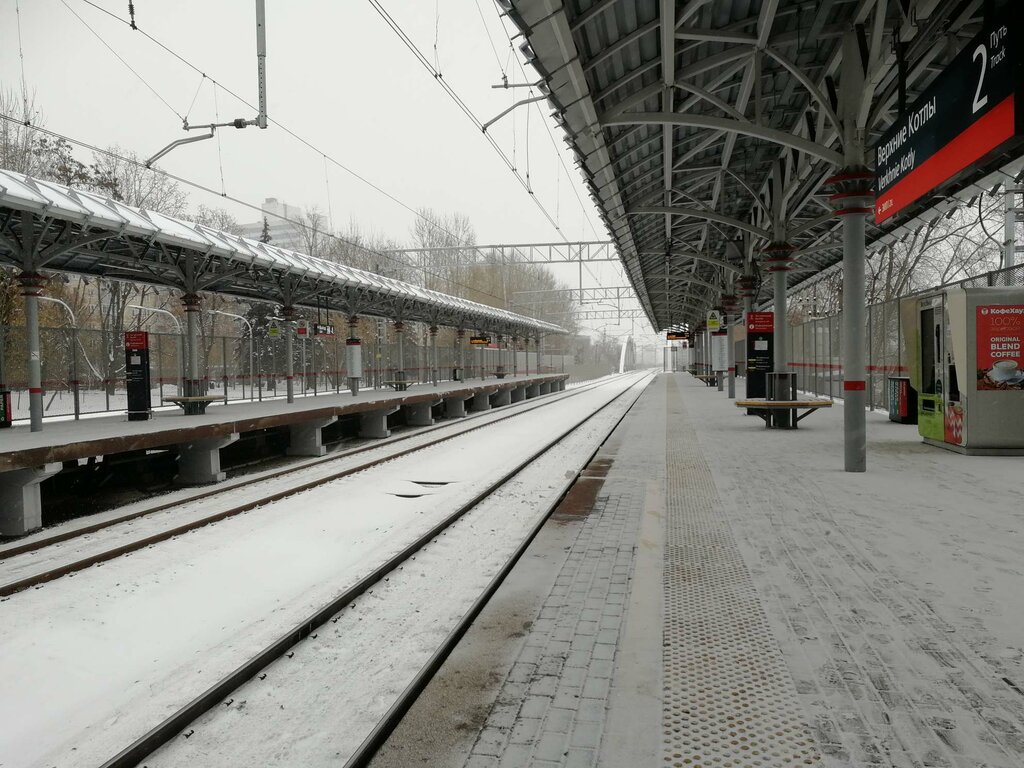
(729, 700)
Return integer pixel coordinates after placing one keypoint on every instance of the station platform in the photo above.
(716, 594)
(27, 458)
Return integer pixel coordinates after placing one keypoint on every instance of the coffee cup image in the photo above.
(1003, 370)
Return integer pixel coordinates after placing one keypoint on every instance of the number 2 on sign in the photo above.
(979, 100)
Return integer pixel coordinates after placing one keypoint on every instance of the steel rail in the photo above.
(43, 577)
(144, 746)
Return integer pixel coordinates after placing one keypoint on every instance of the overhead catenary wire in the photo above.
(21, 57)
(456, 98)
(120, 58)
(276, 123)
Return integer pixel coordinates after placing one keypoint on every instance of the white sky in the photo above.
(337, 76)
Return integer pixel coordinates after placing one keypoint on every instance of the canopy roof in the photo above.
(48, 226)
(699, 124)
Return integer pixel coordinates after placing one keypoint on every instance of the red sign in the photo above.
(761, 322)
(136, 340)
(1000, 338)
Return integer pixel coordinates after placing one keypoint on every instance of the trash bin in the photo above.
(5, 408)
(781, 385)
(902, 400)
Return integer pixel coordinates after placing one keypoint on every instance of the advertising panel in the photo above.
(1000, 338)
(969, 112)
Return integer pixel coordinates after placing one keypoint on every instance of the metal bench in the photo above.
(399, 385)
(708, 378)
(763, 408)
(193, 405)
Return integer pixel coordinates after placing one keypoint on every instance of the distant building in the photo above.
(283, 233)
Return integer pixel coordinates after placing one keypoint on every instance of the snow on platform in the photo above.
(65, 440)
(778, 611)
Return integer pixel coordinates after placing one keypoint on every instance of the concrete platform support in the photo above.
(199, 460)
(545, 388)
(532, 390)
(518, 394)
(306, 438)
(375, 423)
(455, 407)
(419, 414)
(20, 507)
(482, 401)
(501, 397)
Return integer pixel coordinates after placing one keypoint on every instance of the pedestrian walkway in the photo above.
(733, 598)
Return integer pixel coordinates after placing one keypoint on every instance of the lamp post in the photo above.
(177, 324)
(74, 351)
(249, 326)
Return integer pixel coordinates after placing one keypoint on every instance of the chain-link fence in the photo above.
(88, 365)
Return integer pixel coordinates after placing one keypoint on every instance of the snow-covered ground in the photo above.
(91, 662)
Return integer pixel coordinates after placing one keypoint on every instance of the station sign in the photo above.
(481, 341)
(714, 322)
(136, 340)
(322, 329)
(972, 112)
(720, 351)
(301, 328)
(676, 336)
(761, 322)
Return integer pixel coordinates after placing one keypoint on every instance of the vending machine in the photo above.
(966, 361)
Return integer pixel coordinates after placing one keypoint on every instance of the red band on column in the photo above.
(853, 386)
(35, 390)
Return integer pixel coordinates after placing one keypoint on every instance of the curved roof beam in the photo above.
(807, 83)
(697, 213)
(737, 268)
(742, 127)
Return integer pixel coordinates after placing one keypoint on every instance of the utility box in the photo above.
(136, 375)
(966, 360)
(6, 417)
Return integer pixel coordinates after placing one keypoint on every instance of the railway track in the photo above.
(146, 745)
(307, 474)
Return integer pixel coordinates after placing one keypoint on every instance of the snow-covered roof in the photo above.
(85, 233)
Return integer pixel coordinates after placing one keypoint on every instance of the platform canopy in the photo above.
(706, 129)
(47, 226)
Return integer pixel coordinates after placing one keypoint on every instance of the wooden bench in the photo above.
(399, 385)
(498, 374)
(708, 378)
(763, 408)
(194, 405)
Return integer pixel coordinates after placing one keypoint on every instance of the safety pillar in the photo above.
(32, 285)
(353, 357)
(853, 201)
(289, 314)
(433, 355)
(460, 335)
(400, 339)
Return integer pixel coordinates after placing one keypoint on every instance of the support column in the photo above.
(433, 355)
(779, 261)
(540, 353)
(32, 285)
(853, 201)
(199, 460)
(729, 304)
(288, 313)
(481, 401)
(515, 355)
(21, 509)
(501, 397)
(455, 407)
(420, 414)
(193, 306)
(306, 438)
(375, 423)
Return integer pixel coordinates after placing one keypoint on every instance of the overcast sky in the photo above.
(337, 76)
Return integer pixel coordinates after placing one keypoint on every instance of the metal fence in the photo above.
(88, 366)
(815, 347)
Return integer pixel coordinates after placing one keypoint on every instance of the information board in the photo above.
(720, 351)
(136, 375)
(760, 341)
(973, 110)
